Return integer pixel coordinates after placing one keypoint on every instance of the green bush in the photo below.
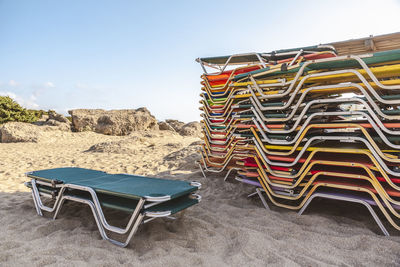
(12, 111)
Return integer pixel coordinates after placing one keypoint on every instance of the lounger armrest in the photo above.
(173, 206)
(157, 198)
(197, 184)
(157, 214)
(195, 196)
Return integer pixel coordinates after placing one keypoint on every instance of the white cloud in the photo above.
(25, 95)
(29, 102)
(10, 94)
(12, 83)
(49, 85)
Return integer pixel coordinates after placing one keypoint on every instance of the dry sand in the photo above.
(226, 228)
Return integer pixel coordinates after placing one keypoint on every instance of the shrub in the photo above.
(12, 111)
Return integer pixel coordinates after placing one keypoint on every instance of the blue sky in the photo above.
(128, 54)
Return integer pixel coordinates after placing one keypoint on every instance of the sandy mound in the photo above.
(159, 151)
(125, 146)
(184, 158)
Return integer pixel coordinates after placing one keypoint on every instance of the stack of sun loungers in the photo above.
(143, 198)
(300, 124)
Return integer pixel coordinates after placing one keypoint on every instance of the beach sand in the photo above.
(225, 229)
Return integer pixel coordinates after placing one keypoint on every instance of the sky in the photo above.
(63, 55)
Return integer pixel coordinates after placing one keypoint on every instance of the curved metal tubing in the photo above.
(100, 225)
(133, 224)
(348, 199)
(301, 134)
(370, 113)
(332, 185)
(302, 68)
(262, 62)
(229, 172)
(295, 93)
(255, 101)
(339, 138)
(371, 147)
(371, 179)
(58, 204)
(38, 202)
(305, 167)
(301, 71)
(202, 171)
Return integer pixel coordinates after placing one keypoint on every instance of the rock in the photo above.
(55, 120)
(19, 132)
(42, 119)
(191, 129)
(164, 126)
(175, 124)
(60, 125)
(58, 117)
(113, 122)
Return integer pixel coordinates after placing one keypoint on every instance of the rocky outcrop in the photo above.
(175, 124)
(19, 132)
(57, 117)
(191, 129)
(113, 122)
(164, 126)
(56, 120)
(188, 129)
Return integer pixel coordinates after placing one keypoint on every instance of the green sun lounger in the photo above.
(142, 197)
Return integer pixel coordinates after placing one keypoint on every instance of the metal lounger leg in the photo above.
(61, 198)
(354, 200)
(202, 171)
(59, 208)
(100, 213)
(259, 192)
(229, 172)
(93, 208)
(133, 231)
(252, 194)
(38, 202)
(38, 210)
(100, 226)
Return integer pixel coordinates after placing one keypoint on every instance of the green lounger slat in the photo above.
(267, 56)
(43, 189)
(126, 204)
(123, 185)
(379, 57)
(263, 104)
(215, 100)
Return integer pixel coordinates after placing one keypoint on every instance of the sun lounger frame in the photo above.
(137, 217)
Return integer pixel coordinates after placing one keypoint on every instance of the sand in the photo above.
(225, 229)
